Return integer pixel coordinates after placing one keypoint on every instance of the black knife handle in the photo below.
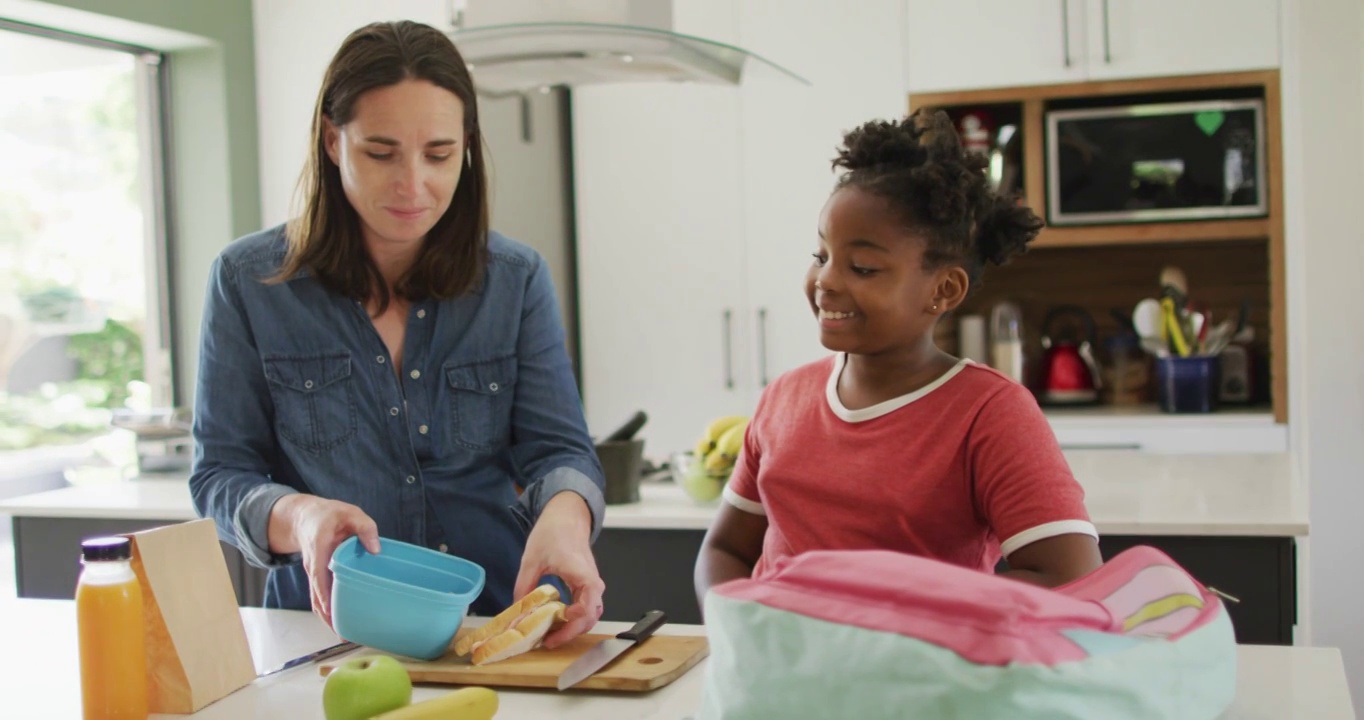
(646, 626)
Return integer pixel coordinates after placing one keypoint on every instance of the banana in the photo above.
(721, 460)
(469, 703)
(714, 430)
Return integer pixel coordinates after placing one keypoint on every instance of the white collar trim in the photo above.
(884, 407)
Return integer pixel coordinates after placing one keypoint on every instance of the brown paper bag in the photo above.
(197, 650)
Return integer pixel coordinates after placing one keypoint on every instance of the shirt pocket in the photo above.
(314, 399)
(481, 400)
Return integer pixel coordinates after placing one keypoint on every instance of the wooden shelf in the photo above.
(1181, 83)
(1153, 233)
(1032, 103)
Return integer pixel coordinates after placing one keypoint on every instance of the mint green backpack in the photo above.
(869, 634)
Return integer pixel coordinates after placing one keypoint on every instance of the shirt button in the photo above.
(393, 412)
(492, 386)
(411, 479)
(443, 547)
(379, 359)
(416, 374)
(422, 429)
(421, 313)
(308, 384)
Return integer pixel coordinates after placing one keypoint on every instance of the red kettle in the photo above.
(1070, 375)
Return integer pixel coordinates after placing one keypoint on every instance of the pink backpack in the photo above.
(876, 634)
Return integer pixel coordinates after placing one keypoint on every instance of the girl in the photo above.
(892, 443)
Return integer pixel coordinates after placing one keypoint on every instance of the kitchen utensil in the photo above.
(1173, 277)
(628, 430)
(622, 464)
(1174, 328)
(652, 664)
(407, 599)
(1070, 375)
(609, 649)
(323, 654)
(1148, 318)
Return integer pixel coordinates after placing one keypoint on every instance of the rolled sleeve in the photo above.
(566, 479)
(252, 524)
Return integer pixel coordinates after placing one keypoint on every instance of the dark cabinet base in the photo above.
(652, 569)
(47, 556)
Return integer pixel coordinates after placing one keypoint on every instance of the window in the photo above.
(84, 307)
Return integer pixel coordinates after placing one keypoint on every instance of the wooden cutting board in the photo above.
(657, 661)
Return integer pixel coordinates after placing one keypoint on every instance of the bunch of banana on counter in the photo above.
(714, 457)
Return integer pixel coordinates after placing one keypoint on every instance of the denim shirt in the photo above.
(297, 393)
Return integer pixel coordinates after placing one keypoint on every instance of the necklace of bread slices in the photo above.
(516, 630)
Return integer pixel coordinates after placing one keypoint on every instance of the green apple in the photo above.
(701, 485)
(361, 688)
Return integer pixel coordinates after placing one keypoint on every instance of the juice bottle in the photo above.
(109, 622)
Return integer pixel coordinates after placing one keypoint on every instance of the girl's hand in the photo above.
(559, 545)
(314, 526)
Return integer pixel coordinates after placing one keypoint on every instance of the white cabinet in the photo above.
(661, 258)
(698, 209)
(971, 44)
(1148, 38)
(850, 53)
(295, 39)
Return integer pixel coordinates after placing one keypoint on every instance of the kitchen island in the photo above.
(1231, 520)
(41, 680)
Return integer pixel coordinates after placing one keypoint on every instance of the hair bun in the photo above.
(1004, 229)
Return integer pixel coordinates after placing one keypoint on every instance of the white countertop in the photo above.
(42, 681)
(1127, 492)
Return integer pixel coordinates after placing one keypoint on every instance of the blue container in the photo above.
(406, 600)
(1188, 384)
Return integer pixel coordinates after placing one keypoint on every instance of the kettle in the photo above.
(1069, 373)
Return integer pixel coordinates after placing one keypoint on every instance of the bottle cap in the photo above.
(106, 548)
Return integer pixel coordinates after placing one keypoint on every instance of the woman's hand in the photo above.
(314, 526)
(559, 545)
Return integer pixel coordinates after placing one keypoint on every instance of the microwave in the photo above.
(1197, 160)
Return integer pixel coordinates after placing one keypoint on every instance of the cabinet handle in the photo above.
(762, 345)
(1108, 57)
(1065, 30)
(729, 354)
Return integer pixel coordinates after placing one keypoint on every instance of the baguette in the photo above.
(523, 637)
(507, 619)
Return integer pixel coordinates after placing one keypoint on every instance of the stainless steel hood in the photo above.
(520, 46)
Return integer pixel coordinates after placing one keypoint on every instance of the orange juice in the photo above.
(109, 621)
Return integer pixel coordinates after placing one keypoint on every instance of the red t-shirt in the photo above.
(961, 470)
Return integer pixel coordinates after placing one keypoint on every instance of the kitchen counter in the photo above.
(1127, 492)
(42, 680)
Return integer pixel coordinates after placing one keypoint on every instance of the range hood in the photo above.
(518, 46)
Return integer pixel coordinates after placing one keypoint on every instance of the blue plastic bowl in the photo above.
(407, 600)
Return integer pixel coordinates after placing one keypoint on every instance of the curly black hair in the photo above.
(939, 189)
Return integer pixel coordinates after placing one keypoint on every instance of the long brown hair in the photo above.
(325, 236)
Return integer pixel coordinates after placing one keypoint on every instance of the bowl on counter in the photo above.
(689, 473)
(407, 599)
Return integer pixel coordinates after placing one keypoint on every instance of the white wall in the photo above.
(1323, 108)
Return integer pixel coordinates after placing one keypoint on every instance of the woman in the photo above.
(386, 365)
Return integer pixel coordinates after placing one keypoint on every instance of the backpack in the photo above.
(870, 634)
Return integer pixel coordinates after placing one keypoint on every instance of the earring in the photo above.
(468, 157)
(935, 307)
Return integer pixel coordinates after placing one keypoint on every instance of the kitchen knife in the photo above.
(609, 649)
(323, 654)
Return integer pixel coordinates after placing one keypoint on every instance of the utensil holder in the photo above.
(1188, 384)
